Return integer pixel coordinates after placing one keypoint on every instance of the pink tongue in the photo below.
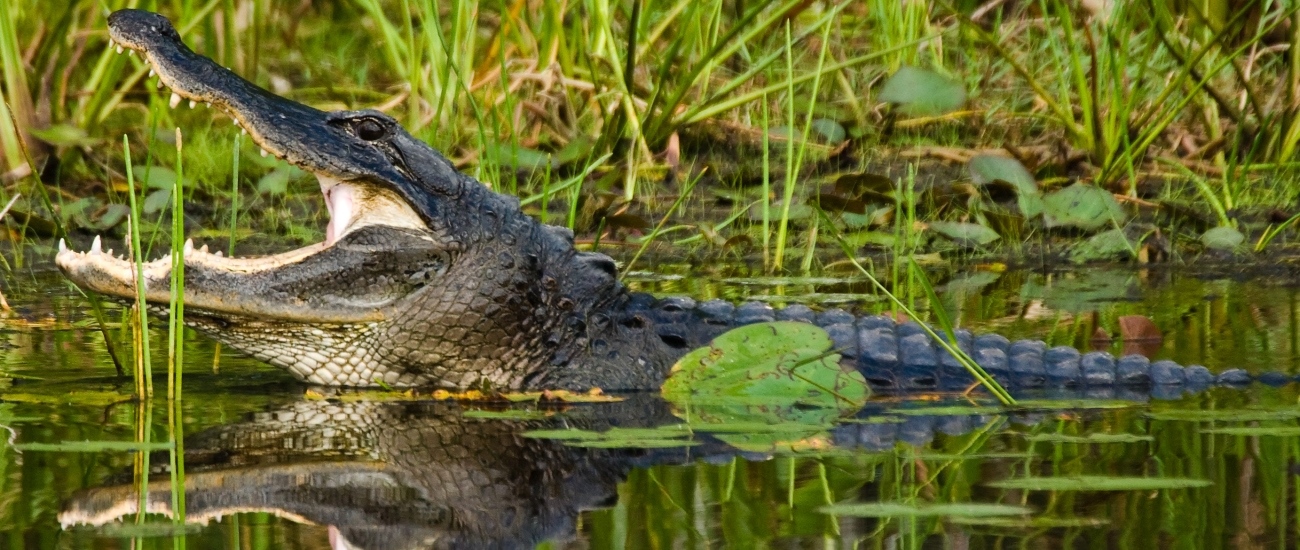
(339, 201)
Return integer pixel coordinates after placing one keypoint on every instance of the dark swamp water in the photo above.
(270, 464)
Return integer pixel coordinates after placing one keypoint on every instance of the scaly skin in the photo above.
(429, 278)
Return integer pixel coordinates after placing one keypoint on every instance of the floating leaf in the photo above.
(1083, 206)
(1099, 483)
(965, 233)
(900, 509)
(987, 169)
(1222, 238)
(778, 363)
(1107, 245)
(920, 92)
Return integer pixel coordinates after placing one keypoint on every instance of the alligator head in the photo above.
(425, 276)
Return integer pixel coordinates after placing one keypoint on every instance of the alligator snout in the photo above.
(141, 30)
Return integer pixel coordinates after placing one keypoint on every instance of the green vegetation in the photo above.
(1185, 111)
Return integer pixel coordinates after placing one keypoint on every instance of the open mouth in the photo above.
(295, 133)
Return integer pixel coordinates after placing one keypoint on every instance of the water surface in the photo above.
(273, 464)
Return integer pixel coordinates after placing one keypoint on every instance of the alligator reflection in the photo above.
(396, 475)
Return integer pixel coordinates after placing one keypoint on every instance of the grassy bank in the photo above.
(1147, 131)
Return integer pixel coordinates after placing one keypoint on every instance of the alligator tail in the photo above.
(903, 357)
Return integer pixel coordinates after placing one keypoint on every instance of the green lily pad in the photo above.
(1083, 206)
(1223, 238)
(965, 233)
(986, 169)
(1107, 245)
(780, 363)
(948, 509)
(921, 92)
(1099, 483)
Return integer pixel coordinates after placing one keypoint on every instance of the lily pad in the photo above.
(1083, 206)
(1223, 238)
(780, 363)
(921, 92)
(965, 233)
(948, 509)
(986, 169)
(1099, 483)
(1107, 245)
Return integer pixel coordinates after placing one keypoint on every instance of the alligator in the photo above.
(427, 277)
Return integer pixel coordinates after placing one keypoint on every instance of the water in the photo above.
(270, 465)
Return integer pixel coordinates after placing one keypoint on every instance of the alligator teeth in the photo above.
(119, 49)
(159, 84)
(175, 100)
(193, 104)
(189, 246)
(265, 153)
(151, 73)
(219, 254)
(242, 131)
(204, 249)
(95, 247)
(63, 246)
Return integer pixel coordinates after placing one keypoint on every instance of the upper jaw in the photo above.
(299, 134)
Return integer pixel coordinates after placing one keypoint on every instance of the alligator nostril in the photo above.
(673, 340)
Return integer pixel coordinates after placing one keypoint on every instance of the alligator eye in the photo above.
(369, 130)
